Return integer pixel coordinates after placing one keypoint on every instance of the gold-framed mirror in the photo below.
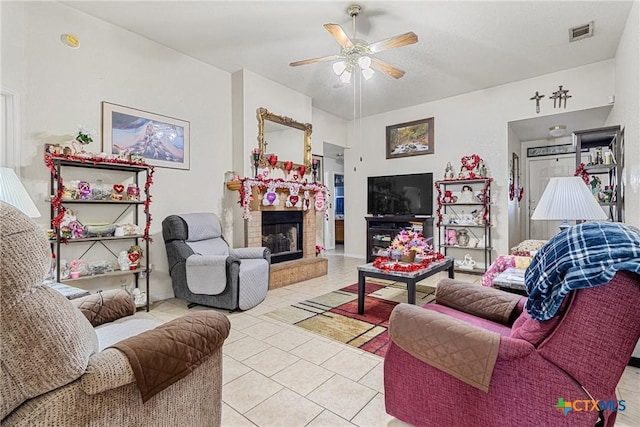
(281, 136)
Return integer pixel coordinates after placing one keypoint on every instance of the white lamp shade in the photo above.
(339, 67)
(345, 77)
(367, 73)
(13, 192)
(567, 198)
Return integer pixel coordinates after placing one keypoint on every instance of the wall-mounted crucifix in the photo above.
(559, 96)
(537, 97)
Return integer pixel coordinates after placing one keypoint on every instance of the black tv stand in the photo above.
(382, 229)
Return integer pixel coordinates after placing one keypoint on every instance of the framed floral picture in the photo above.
(162, 141)
(410, 139)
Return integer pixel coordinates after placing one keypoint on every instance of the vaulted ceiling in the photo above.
(462, 45)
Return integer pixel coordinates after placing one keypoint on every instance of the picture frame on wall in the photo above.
(162, 140)
(414, 138)
(320, 170)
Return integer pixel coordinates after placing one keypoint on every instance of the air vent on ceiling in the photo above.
(581, 32)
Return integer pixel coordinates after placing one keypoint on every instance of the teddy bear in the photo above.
(271, 198)
(451, 237)
(449, 197)
(293, 199)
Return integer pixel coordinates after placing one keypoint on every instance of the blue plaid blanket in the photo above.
(583, 256)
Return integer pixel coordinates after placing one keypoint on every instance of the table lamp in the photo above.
(13, 192)
(567, 198)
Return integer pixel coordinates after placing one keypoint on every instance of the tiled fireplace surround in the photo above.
(288, 272)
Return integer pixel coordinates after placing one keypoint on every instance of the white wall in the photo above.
(475, 122)
(626, 111)
(64, 87)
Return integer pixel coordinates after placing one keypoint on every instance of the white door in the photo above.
(330, 224)
(540, 170)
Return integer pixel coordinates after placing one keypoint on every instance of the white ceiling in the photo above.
(462, 45)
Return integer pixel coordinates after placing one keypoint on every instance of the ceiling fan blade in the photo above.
(393, 42)
(314, 60)
(338, 33)
(386, 68)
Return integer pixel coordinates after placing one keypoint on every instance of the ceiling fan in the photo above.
(356, 53)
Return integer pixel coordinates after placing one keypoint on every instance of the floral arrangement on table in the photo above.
(409, 240)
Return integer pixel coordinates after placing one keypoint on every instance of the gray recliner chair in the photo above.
(206, 271)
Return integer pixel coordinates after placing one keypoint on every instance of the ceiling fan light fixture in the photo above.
(367, 73)
(364, 62)
(345, 77)
(339, 67)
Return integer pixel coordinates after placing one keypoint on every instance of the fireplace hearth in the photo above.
(282, 233)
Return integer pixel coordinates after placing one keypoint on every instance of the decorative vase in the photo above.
(410, 257)
(463, 238)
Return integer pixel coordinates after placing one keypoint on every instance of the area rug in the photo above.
(335, 315)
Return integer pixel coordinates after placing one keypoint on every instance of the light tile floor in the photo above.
(275, 374)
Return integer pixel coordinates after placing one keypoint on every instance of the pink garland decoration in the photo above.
(247, 184)
(384, 264)
(56, 201)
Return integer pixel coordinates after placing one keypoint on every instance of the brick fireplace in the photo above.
(288, 271)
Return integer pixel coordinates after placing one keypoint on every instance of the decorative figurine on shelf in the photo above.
(302, 170)
(76, 267)
(596, 185)
(449, 197)
(462, 237)
(77, 230)
(116, 194)
(84, 190)
(256, 160)
(449, 172)
(133, 192)
(466, 195)
(467, 264)
(134, 254)
(450, 237)
(123, 261)
(139, 297)
(482, 169)
(314, 168)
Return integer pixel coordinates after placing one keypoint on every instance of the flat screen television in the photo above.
(410, 194)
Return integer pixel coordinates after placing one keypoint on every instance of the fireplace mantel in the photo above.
(251, 196)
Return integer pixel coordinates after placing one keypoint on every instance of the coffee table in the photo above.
(410, 278)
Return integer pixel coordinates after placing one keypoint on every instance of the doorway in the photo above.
(334, 236)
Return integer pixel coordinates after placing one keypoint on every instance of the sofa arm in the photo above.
(107, 306)
(488, 303)
(253, 252)
(171, 351)
(451, 345)
(207, 274)
(107, 370)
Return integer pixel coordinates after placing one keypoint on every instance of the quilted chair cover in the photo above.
(51, 370)
(588, 343)
(205, 270)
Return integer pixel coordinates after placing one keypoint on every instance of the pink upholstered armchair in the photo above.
(498, 373)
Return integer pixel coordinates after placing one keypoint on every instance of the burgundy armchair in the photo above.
(511, 369)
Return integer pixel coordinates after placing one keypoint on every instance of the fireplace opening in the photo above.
(282, 234)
